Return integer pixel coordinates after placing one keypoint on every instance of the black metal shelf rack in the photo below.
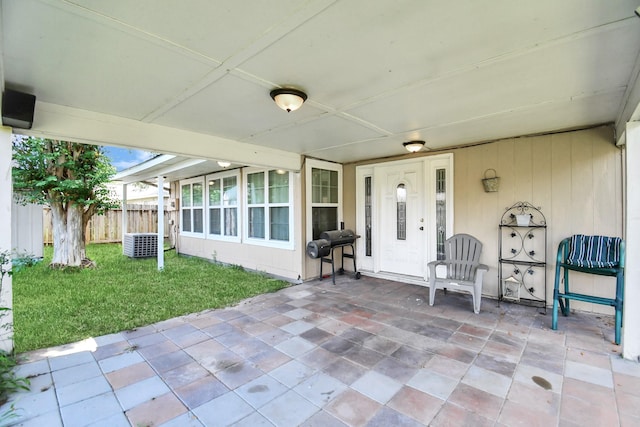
(522, 255)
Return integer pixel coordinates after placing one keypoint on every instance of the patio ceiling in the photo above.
(170, 167)
(377, 72)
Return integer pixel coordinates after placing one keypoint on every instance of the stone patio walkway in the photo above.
(364, 352)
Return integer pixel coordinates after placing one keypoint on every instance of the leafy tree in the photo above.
(71, 178)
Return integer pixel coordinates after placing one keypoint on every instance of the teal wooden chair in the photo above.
(599, 255)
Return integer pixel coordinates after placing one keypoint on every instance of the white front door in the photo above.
(404, 211)
(402, 218)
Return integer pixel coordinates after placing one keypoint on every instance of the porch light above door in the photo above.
(223, 164)
(288, 99)
(413, 146)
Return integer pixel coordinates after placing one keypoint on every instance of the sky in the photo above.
(123, 158)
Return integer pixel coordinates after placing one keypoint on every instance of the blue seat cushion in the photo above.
(594, 251)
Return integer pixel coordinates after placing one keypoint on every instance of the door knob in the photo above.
(421, 228)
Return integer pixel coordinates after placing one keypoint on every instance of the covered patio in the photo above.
(545, 93)
(362, 352)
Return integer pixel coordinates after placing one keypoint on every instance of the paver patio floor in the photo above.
(363, 352)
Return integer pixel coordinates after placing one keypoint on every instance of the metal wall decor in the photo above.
(491, 183)
(522, 255)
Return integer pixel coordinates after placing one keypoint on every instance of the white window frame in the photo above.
(228, 238)
(311, 164)
(190, 182)
(266, 241)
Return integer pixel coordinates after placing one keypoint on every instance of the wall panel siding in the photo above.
(27, 230)
(278, 262)
(284, 263)
(575, 177)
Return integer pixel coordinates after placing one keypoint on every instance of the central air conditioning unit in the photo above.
(140, 245)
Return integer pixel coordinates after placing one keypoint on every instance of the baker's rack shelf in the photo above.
(522, 255)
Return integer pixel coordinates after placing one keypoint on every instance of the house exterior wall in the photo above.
(285, 263)
(279, 262)
(574, 177)
(27, 229)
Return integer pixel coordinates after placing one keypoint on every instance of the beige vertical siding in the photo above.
(276, 261)
(574, 177)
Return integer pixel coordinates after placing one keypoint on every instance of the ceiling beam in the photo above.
(60, 122)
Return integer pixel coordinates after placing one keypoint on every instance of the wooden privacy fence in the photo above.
(107, 228)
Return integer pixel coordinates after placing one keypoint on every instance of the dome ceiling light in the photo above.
(413, 146)
(288, 99)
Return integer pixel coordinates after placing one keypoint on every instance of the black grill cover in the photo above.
(339, 237)
(318, 248)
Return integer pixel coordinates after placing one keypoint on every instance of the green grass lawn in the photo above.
(53, 307)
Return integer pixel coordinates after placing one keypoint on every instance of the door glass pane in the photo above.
(279, 218)
(255, 188)
(256, 223)
(278, 187)
(367, 215)
(441, 211)
(214, 221)
(323, 219)
(324, 186)
(401, 209)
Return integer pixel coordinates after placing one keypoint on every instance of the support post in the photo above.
(160, 223)
(125, 214)
(631, 321)
(6, 195)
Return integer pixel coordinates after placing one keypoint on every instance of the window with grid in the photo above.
(192, 207)
(223, 205)
(325, 198)
(269, 206)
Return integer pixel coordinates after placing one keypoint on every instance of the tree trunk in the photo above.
(68, 235)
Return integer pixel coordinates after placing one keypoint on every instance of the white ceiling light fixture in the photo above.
(223, 164)
(288, 99)
(413, 146)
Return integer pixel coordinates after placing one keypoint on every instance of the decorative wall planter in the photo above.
(491, 184)
(523, 220)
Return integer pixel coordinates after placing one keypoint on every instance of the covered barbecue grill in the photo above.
(325, 246)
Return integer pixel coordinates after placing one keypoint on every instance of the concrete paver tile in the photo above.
(120, 361)
(81, 390)
(201, 391)
(378, 387)
(136, 393)
(156, 411)
(223, 410)
(433, 383)
(289, 409)
(261, 390)
(90, 410)
(66, 361)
